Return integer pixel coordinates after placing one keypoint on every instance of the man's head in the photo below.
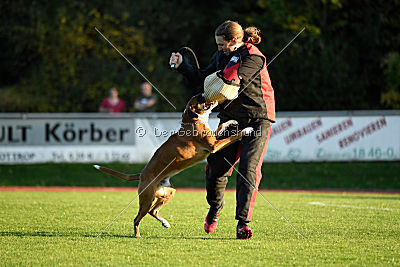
(146, 89)
(230, 35)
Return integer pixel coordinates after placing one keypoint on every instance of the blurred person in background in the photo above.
(146, 102)
(112, 104)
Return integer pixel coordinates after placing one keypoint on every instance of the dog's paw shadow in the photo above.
(106, 235)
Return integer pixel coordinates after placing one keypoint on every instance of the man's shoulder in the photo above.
(248, 56)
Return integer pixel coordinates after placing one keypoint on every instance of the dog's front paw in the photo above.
(247, 131)
(230, 123)
(226, 125)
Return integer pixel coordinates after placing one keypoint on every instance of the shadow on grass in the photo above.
(103, 236)
(45, 234)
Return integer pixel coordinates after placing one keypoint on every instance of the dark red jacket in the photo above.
(256, 99)
(117, 108)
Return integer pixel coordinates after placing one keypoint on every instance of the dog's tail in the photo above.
(123, 176)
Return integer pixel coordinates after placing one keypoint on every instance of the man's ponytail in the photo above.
(252, 35)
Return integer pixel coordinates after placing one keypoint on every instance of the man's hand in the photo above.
(176, 59)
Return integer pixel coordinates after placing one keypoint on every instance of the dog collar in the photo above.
(191, 123)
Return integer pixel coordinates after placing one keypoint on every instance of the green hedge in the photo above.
(345, 175)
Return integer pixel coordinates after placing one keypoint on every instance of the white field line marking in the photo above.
(350, 206)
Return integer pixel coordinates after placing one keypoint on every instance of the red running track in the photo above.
(190, 190)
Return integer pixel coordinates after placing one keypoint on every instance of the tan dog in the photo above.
(190, 145)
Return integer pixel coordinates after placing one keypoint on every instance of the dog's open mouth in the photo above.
(207, 106)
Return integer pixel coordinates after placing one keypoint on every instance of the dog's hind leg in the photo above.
(146, 198)
(163, 195)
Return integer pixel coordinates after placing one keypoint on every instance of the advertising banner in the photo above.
(133, 138)
(338, 138)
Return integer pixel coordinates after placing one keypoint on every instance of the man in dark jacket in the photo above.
(254, 107)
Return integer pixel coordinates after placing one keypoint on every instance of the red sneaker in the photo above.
(244, 233)
(210, 228)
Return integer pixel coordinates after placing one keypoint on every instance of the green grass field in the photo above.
(60, 228)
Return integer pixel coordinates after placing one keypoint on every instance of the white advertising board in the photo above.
(133, 138)
(341, 138)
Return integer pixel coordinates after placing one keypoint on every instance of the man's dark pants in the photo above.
(250, 150)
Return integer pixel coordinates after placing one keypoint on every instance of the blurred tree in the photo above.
(391, 96)
(52, 59)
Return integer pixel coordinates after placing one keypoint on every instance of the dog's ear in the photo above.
(192, 114)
